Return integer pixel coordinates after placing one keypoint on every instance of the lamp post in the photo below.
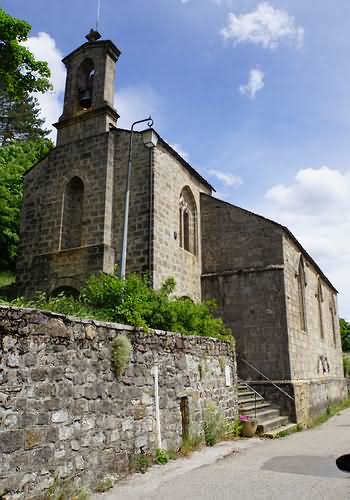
(150, 140)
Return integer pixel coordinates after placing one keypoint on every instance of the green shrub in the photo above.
(346, 364)
(132, 301)
(140, 462)
(232, 429)
(213, 426)
(66, 490)
(190, 443)
(121, 352)
(161, 457)
(105, 484)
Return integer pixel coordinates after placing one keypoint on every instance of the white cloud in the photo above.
(137, 102)
(322, 190)
(266, 26)
(179, 149)
(44, 48)
(227, 179)
(255, 83)
(315, 207)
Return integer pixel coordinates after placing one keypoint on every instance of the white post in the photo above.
(155, 373)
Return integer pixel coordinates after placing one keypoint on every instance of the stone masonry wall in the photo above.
(62, 409)
(307, 348)
(169, 259)
(316, 361)
(41, 225)
(138, 252)
(243, 272)
(235, 239)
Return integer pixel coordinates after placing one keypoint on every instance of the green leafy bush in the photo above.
(121, 352)
(346, 364)
(66, 490)
(161, 457)
(214, 425)
(345, 334)
(133, 301)
(190, 443)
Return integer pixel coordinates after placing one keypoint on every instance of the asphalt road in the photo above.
(300, 466)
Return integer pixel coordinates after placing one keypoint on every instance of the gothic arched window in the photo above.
(188, 221)
(319, 297)
(301, 295)
(86, 75)
(72, 214)
(333, 311)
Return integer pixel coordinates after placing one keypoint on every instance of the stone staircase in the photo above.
(270, 421)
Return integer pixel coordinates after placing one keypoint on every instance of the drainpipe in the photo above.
(155, 373)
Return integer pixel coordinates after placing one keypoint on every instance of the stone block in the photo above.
(11, 441)
(32, 438)
(60, 416)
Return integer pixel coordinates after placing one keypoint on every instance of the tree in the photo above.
(20, 120)
(15, 159)
(345, 334)
(20, 72)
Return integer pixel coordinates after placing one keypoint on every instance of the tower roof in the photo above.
(94, 42)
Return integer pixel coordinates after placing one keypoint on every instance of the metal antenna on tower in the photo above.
(98, 14)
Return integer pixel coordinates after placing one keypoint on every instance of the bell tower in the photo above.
(88, 101)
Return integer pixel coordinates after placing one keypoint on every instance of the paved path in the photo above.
(298, 467)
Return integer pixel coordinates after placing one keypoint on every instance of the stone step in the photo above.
(248, 407)
(265, 414)
(281, 431)
(245, 393)
(272, 424)
(249, 399)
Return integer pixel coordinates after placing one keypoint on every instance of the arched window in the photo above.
(301, 295)
(319, 297)
(86, 74)
(333, 311)
(188, 221)
(72, 213)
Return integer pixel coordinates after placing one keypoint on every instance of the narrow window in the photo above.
(319, 302)
(72, 214)
(188, 221)
(301, 295)
(180, 228)
(186, 224)
(333, 312)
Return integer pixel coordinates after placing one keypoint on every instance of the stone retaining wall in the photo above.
(62, 409)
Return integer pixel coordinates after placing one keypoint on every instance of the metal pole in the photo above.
(98, 14)
(127, 197)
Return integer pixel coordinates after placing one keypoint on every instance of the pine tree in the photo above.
(15, 160)
(20, 120)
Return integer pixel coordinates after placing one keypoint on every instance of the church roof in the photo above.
(290, 236)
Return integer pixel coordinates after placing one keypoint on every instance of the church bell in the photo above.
(85, 98)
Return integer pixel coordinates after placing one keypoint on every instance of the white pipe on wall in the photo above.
(155, 373)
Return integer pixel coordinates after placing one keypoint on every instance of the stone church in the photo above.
(281, 307)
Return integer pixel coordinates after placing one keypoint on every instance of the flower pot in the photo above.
(249, 428)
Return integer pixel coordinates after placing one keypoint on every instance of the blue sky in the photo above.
(255, 94)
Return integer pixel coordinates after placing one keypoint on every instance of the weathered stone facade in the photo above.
(252, 271)
(62, 409)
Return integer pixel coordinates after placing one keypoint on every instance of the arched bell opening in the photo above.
(86, 76)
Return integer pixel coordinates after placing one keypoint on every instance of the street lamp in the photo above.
(150, 139)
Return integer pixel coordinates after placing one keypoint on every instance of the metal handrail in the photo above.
(267, 378)
(256, 393)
